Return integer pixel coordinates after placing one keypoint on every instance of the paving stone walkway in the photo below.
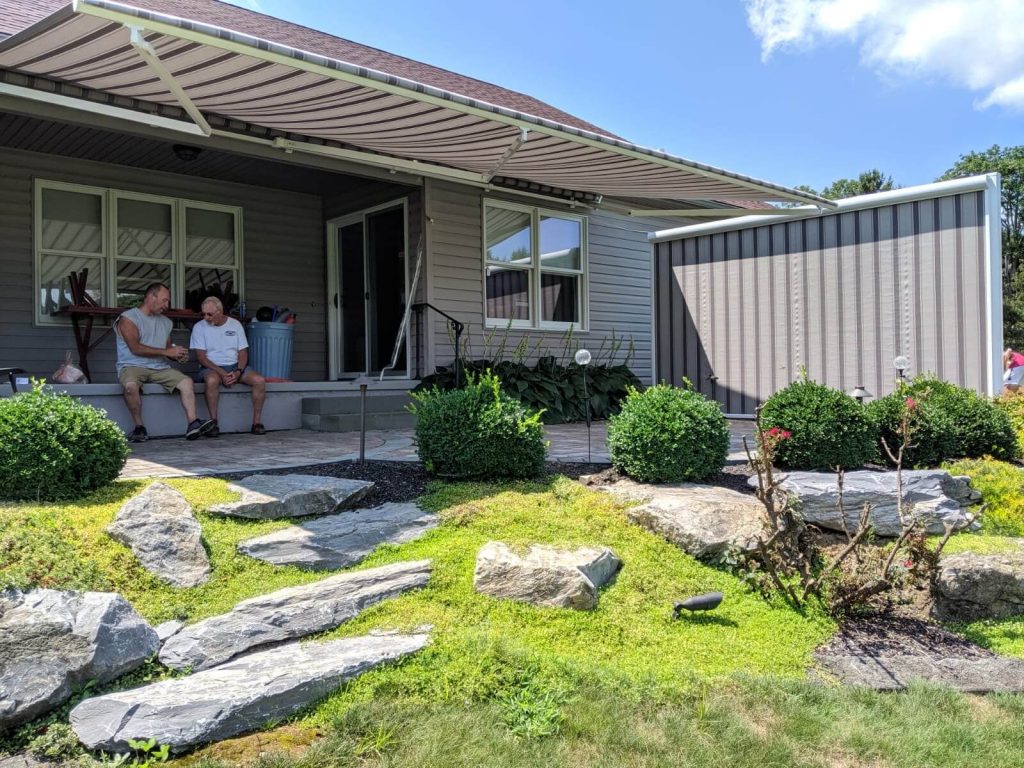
(233, 453)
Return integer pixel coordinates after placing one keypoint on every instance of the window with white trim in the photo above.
(534, 267)
(128, 240)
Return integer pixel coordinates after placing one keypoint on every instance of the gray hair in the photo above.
(214, 301)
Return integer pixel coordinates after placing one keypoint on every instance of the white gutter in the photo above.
(905, 195)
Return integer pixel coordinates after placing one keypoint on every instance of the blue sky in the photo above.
(792, 91)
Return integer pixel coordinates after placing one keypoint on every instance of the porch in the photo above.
(235, 453)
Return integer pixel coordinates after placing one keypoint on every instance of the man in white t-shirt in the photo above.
(223, 354)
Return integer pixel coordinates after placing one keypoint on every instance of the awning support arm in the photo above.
(145, 50)
(513, 148)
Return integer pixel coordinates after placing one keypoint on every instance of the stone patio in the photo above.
(231, 453)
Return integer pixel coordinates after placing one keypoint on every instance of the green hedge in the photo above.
(477, 431)
(828, 428)
(949, 422)
(53, 447)
(666, 435)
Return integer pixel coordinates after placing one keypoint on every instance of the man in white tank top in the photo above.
(144, 350)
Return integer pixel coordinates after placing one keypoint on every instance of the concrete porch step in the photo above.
(349, 422)
(383, 402)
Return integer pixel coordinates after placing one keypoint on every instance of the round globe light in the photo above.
(901, 363)
(583, 357)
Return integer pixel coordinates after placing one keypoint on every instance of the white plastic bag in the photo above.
(68, 373)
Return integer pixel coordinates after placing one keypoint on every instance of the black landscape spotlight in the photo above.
(706, 602)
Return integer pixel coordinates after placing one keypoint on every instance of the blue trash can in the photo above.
(270, 348)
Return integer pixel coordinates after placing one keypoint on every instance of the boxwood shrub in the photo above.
(53, 447)
(828, 428)
(477, 431)
(666, 435)
(950, 422)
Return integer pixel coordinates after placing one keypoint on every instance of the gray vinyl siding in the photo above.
(619, 280)
(839, 295)
(283, 257)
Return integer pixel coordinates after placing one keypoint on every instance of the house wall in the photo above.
(619, 279)
(283, 258)
(839, 295)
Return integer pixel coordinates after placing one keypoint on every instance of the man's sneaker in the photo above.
(140, 435)
(197, 428)
(213, 431)
(258, 429)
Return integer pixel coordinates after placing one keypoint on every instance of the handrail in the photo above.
(400, 337)
(457, 326)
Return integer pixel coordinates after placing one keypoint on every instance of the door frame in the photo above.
(334, 329)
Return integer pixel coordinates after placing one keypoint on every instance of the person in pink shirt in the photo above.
(1013, 366)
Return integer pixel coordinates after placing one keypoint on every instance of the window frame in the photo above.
(536, 269)
(109, 257)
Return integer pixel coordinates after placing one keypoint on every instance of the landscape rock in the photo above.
(52, 642)
(937, 498)
(168, 630)
(242, 695)
(702, 520)
(970, 586)
(888, 653)
(162, 532)
(265, 497)
(341, 540)
(545, 576)
(288, 614)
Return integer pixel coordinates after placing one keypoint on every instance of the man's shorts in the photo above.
(201, 373)
(1014, 376)
(168, 378)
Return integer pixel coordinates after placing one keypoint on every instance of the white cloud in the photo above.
(977, 44)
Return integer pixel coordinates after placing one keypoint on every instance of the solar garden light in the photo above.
(901, 363)
(706, 602)
(363, 382)
(859, 394)
(583, 360)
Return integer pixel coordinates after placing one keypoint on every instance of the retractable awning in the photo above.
(310, 99)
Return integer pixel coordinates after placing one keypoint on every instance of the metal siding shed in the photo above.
(913, 272)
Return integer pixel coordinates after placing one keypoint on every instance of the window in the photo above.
(128, 240)
(534, 267)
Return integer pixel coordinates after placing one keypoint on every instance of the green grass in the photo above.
(509, 684)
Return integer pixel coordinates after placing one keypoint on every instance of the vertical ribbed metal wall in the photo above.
(740, 313)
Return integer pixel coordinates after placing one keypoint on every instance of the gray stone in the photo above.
(162, 532)
(242, 695)
(266, 497)
(970, 586)
(52, 642)
(932, 495)
(168, 630)
(887, 654)
(702, 520)
(341, 540)
(544, 575)
(288, 614)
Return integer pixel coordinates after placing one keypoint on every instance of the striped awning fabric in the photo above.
(308, 96)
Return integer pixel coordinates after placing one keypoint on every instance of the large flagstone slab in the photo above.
(288, 614)
(266, 497)
(242, 695)
(340, 540)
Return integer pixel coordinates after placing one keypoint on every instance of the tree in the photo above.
(1009, 163)
(868, 182)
